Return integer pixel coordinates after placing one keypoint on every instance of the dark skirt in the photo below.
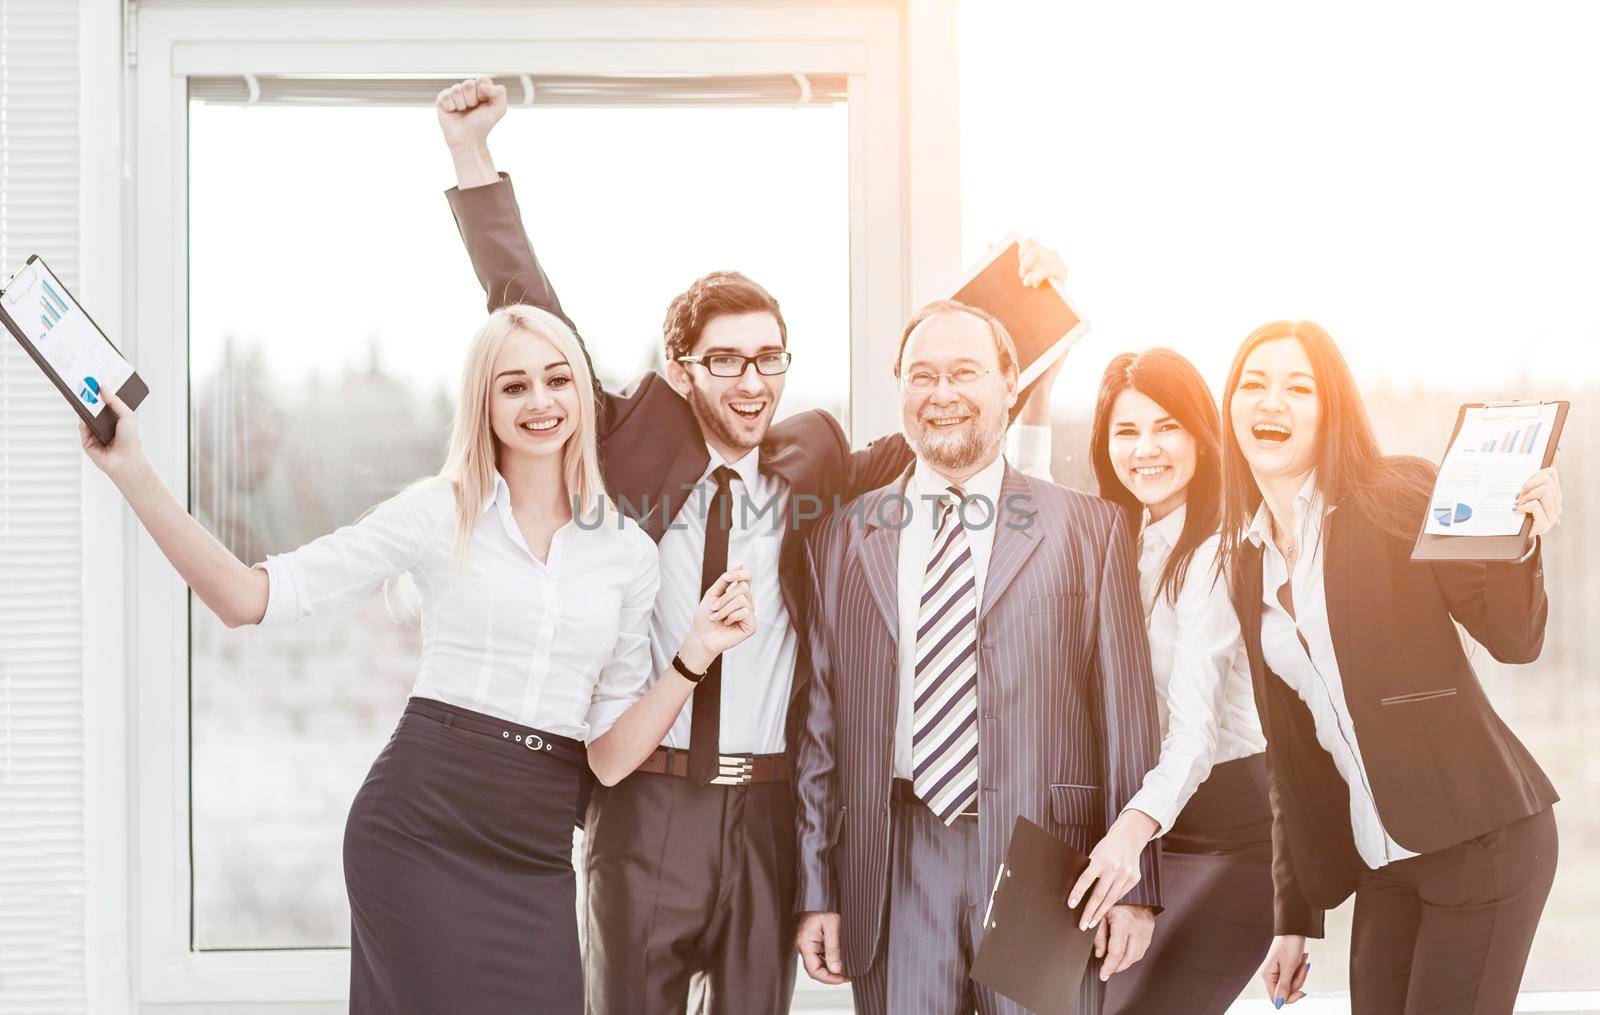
(458, 864)
(1216, 890)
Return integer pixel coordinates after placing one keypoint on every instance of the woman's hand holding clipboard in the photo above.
(1497, 489)
(77, 357)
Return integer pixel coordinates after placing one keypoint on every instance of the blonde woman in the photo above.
(536, 602)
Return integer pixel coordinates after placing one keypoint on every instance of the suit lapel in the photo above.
(878, 552)
(1248, 604)
(1016, 536)
(687, 468)
(1338, 541)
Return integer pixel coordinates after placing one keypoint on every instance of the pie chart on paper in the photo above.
(1448, 513)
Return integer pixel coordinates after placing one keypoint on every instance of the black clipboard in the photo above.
(56, 305)
(1032, 950)
(1042, 322)
(1432, 546)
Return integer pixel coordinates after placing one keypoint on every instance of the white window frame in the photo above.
(139, 943)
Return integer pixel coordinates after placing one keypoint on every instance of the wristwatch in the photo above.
(682, 667)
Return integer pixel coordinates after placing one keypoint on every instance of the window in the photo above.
(263, 163)
(331, 302)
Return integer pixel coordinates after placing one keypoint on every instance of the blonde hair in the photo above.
(470, 463)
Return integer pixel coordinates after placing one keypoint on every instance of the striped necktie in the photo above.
(944, 721)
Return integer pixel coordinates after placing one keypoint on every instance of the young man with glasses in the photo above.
(690, 862)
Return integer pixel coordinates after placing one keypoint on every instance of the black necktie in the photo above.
(705, 727)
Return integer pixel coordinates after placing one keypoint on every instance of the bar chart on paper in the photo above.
(75, 349)
(1494, 453)
(53, 306)
(1518, 441)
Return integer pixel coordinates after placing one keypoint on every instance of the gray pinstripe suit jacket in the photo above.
(1068, 725)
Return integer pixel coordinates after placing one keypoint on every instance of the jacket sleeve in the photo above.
(1502, 605)
(1291, 913)
(1122, 666)
(817, 811)
(876, 465)
(490, 223)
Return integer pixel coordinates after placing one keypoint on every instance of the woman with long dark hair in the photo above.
(1392, 777)
(1155, 446)
(536, 605)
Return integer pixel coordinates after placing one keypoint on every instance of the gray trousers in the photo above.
(937, 896)
(689, 884)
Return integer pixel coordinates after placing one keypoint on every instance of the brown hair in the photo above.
(1004, 348)
(718, 294)
(1390, 491)
(1173, 383)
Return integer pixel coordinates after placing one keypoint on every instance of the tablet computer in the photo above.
(68, 346)
(1041, 321)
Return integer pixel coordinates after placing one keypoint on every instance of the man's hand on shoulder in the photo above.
(467, 113)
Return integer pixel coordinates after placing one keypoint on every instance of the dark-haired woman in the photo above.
(1391, 775)
(1155, 446)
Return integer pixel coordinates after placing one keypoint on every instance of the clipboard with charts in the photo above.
(1493, 449)
(1032, 950)
(68, 346)
(1042, 322)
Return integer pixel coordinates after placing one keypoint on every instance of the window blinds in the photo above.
(41, 699)
(528, 90)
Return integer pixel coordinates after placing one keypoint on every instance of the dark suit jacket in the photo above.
(651, 448)
(1442, 765)
(1068, 724)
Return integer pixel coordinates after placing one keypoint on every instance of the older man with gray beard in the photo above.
(1007, 610)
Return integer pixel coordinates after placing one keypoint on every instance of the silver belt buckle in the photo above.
(734, 770)
(533, 741)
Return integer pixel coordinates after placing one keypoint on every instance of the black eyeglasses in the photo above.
(731, 364)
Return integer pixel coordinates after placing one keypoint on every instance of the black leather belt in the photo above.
(538, 741)
(732, 769)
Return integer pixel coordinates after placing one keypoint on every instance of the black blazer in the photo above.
(651, 449)
(1443, 766)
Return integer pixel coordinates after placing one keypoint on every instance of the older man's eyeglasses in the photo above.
(927, 380)
(729, 364)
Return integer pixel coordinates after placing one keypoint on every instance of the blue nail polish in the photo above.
(1277, 1002)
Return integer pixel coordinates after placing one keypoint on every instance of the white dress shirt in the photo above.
(1314, 676)
(919, 525)
(758, 673)
(561, 645)
(1202, 673)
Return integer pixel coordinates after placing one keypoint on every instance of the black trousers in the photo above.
(689, 882)
(1216, 883)
(1450, 931)
(458, 863)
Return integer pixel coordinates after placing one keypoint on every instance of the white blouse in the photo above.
(1202, 674)
(562, 645)
(1299, 649)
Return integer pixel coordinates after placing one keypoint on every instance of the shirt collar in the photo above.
(748, 468)
(501, 494)
(985, 483)
(1308, 502)
(1167, 529)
